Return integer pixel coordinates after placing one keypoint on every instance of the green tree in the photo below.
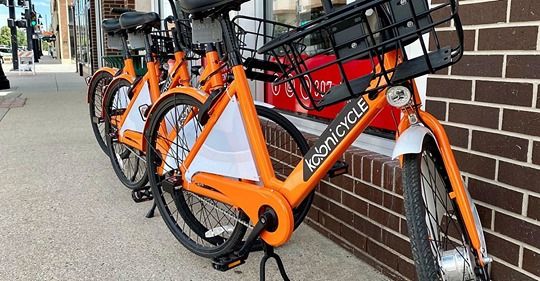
(21, 38)
(5, 36)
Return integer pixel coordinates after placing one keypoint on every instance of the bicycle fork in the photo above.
(411, 140)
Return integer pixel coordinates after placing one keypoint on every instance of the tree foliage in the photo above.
(5, 37)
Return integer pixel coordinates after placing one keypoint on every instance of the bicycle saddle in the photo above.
(111, 25)
(206, 7)
(131, 20)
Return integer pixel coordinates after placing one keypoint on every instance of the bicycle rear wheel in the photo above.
(128, 163)
(95, 104)
(440, 245)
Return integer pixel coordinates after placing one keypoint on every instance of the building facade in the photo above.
(489, 105)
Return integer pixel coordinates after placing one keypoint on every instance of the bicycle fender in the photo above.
(264, 104)
(112, 71)
(197, 94)
(411, 141)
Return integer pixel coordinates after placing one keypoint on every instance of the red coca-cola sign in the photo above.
(283, 97)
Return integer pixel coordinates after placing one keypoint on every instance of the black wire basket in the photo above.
(253, 33)
(366, 30)
(162, 43)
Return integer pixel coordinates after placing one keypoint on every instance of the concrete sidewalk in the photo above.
(65, 216)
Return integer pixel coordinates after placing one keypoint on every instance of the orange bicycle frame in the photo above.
(284, 195)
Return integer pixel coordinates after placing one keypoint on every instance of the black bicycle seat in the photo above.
(111, 25)
(206, 7)
(131, 20)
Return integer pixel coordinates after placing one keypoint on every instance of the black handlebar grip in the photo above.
(119, 11)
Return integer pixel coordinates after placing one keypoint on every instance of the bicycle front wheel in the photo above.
(95, 104)
(128, 163)
(440, 245)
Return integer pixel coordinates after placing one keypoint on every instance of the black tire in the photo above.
(279, 149)
(128, 163)
(189, 217)
(95, 104)
(424, 176)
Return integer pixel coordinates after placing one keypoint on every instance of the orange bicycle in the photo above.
(209, 149)
(127, 104)
(117, 40)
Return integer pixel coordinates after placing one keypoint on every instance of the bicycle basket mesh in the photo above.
(364, 31)
(254, 33)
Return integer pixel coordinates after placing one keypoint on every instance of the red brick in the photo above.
(382, 254)
(393, 203)
(475, 164)
(355, 238)
(397, 243)
(355, 204)
(519, 176)
(329, 223)
(536, 153)
(501, 145)
(341, 213)
(527, 66)
(330, 191)
(437, 108)
(483, 13)
(458, 136)
(519, 94)
(502, 248)
(479, 65)
(517, 229)
(368, 192)
(534, 208)
(449, 88)
(525, 10)
(485, 216)
(383, 217)
(368, 228)
(495, 195)
(523, 122)
(508, 38)
(474, 115)
(531, 261)
(505, 273)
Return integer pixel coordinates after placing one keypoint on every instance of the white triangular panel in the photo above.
(134, 120)
(226, 151)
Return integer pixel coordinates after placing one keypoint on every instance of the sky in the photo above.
(43, 7)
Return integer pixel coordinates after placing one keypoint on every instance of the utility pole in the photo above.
(14, 41)
(29, 26)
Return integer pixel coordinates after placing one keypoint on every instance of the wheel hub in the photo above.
(456, 265)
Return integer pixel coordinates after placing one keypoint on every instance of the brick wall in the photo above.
(490, 107)
(105, 11)
(361, 211)
(489, 104)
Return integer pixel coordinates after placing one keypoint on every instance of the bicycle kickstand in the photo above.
(152, 211)
(268, 254)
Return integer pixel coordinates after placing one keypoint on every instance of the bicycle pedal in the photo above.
(338, 169)
(142, 195)
(228, 262)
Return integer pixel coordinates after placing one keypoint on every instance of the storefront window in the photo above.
(298, 13)
(82, 31)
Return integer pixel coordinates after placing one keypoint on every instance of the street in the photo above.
(65, 216)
